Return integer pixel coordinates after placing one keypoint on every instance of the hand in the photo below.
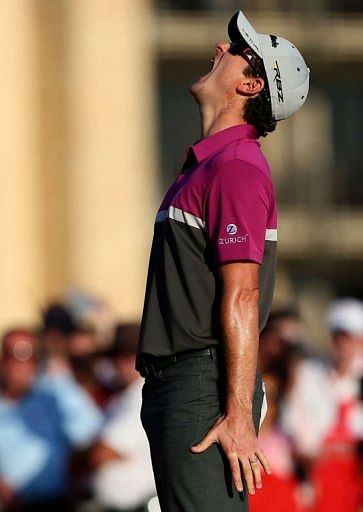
(237, 437)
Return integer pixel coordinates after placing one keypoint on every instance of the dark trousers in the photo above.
(180, 404)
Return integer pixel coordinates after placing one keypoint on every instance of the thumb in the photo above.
(204, 444)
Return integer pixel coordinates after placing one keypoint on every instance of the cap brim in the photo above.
(240, 28)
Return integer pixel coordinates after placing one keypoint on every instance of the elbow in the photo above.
(248, 295)
(242, 299)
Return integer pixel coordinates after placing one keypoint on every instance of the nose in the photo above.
(222, 47)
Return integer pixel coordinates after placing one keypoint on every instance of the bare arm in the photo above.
(102, 454)
(239, 322)
(234, 431)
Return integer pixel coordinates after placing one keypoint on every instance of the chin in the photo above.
(194, 89)
(198, 89)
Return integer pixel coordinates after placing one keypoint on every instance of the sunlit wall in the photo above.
(95, 118)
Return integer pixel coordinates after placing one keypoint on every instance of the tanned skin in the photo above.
(235, 431)
(221, 95)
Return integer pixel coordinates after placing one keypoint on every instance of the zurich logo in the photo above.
(231, 229)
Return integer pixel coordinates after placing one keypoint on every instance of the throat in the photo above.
(213, 120)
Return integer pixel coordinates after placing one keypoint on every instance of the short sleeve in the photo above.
(237, 212)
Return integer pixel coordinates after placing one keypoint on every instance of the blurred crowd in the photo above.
(70, 434)
(71, 438)
(313, 430)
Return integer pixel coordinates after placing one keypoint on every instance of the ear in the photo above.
(250, 86)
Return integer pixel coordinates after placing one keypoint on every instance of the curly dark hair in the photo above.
(257, 110)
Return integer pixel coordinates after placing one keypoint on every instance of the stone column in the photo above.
(21, 237)
(111, 164)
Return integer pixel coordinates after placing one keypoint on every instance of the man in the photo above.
(123, 479)
(210, 281)
(41, 421)
(331, 418)
(337, 473)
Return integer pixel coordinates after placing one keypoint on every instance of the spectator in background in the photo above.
(40, 423)
(58, 325)
(307, 406)
(82, 342)
(284, 339)
(87, 362)
(124, 479)
(284, 330)
(71, 351)
(279, 489)
(345, 321)
(336, 471)
(322, 412)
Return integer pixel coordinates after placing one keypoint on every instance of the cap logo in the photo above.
(278, 81)
(274, 41)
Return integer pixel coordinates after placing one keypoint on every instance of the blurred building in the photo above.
(78, 180)
(95, 118)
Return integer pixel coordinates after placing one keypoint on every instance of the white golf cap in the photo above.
(346, 315)
(286, 71)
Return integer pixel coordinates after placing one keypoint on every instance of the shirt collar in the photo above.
(205, 147)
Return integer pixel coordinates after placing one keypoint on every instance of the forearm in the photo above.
(234, 429)
(102, 454)
(239, 323)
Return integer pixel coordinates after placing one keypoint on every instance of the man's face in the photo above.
(18, 362)
(348, 348)
(221, 83)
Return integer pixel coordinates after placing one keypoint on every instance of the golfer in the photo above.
(211, 278)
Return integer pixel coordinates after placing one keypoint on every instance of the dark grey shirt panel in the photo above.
(181, 310)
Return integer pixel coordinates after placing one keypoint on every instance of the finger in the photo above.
(256, 473)
(248, 475)
(204, 443)
(262, 458)
(236, 472)
(208, 440)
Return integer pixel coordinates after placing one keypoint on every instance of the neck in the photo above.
(213, 120)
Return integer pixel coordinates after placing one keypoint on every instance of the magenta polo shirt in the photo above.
(220, 208)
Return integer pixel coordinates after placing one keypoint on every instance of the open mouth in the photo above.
(213, 64)
(214, 61)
